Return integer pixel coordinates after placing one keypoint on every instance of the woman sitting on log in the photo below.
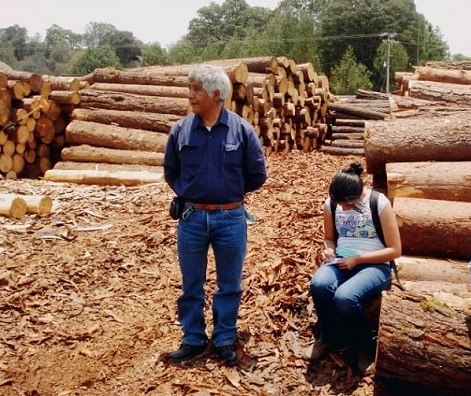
(355, 266)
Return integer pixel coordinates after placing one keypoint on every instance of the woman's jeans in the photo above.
(339, 297)
(226, 232)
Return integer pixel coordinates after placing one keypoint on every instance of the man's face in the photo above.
(199, 99)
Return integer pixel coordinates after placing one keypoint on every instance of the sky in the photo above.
(166, 21)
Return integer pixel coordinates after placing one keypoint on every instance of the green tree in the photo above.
(349, 75)
(94, 58)
(17, 37)
(360, 23)
(154, 54)
(7, 54)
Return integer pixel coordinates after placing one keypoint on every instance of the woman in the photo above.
(355, 266)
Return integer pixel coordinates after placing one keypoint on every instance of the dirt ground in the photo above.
(88, 293)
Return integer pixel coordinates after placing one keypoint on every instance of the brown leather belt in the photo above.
(215, 207)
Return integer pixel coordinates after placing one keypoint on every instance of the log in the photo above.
(112, 75)
(91, 99)
(86, 153)
(348, 143)
(448, 181)
(432, 269)
(356, 111)
(127, 119)
(35, 80)
(12, 206)
(94, 134)
(444, 92)
(126, 178)
(433, 227)
(61, 83)
(443, 137)
(450, 76)
(147, 90)
(423, 340)
(342, 150)
(101, 166)
(37, 204)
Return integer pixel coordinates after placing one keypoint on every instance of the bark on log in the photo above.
(431, 138)
(342, 150)
(86, 153)
(111, 75)
(448, 181)
(100, 166)
(126, 178)
(423, 340)
(92, 99)
(434, 228)
(146, 90)
(432, 269)
(443, 75)
(94, 134)
(128, 119)
(440, 92)
(357, 112)
(60, 83)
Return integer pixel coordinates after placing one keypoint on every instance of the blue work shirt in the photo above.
(217, 165)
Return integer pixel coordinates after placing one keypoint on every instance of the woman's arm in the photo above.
(329, 236)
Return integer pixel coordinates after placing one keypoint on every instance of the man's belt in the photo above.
(215, 207)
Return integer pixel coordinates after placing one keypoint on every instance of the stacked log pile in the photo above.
(32, 122)
(124, 118)
(448, 82)
(346, 121)
(424, 166)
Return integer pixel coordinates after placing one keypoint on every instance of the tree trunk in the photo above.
(38, 204)
(448, 181)
(423, 340)
(127, 119)
(94, 134)
(430, 138)
(126, 178)
(111, 75)
(419, 219)
(86, 153)
(92, 99)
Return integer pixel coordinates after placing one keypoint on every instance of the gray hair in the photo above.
(212, 78)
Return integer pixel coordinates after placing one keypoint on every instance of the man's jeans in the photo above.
(226, 232)
(339, 296)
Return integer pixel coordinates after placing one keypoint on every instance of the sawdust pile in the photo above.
(88, 293)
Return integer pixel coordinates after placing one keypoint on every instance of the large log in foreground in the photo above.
(443, 137)
(435, 228)
(432, 269)
(449, 181)
(424, 340)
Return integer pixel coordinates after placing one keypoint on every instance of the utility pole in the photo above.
(389, 37)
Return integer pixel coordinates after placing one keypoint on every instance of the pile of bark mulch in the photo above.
(88, 293)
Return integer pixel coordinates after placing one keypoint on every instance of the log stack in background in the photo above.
(32, 121)
(124, 118)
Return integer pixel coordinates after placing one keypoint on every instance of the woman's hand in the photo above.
(328, 255)
(347, 263)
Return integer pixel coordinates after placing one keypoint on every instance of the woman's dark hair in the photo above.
(346, 186)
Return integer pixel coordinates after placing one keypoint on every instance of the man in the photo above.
(212, 159)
